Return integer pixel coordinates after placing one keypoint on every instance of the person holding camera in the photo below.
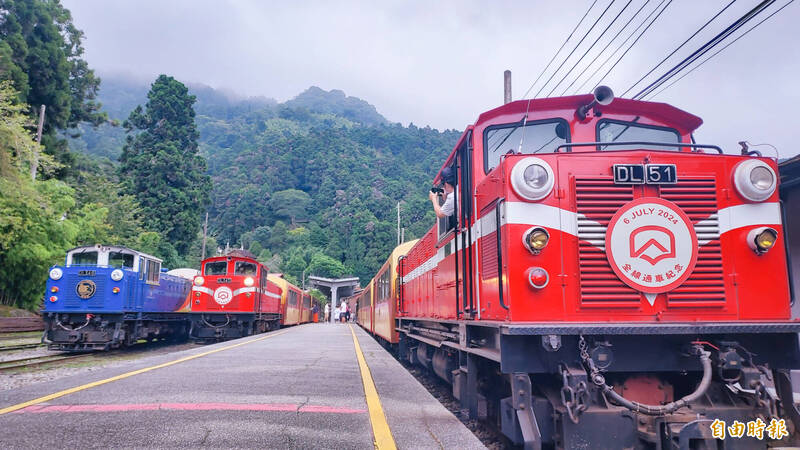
(448, 189)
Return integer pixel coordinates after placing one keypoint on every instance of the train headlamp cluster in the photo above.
(198, 281)
(56, 273)
(249, 281)
(117, 275)
(535, 239)
(532, 178)
(754, 180)
(760, 240)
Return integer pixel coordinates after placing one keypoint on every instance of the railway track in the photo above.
(9, 348)
(36, 361)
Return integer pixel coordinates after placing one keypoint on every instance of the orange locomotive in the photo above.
(232, 297)
(606, 281)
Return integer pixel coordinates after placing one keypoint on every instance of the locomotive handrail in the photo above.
(499, 255)
(663, 144)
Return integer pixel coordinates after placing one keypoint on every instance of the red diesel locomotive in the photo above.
(606, 282)
(231, 298)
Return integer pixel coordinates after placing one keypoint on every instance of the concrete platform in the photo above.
(294, 388)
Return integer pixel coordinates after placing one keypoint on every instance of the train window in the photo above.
(118, 259)
(142, 268)
(216, 268)
(541, 136)
(306, 301)
(293, 298)
(84, 259)
(617, 131)
(153, 271)
(244, 268)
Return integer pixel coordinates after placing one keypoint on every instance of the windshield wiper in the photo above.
(510, 133)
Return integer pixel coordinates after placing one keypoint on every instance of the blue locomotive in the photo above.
(107, 296)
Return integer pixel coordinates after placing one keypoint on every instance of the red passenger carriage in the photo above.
(608, 282)
(232, 297)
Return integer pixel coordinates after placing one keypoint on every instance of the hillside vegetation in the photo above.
(310, 184)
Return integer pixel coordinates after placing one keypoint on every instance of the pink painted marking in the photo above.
(40, 409)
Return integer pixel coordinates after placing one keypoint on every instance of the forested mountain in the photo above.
(310, 184)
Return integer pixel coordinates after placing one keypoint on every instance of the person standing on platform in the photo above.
(327, 312)
(336, 313)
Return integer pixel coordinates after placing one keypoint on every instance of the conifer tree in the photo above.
(161, 166)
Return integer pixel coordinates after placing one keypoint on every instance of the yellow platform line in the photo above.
(380, 428)
(83, 387)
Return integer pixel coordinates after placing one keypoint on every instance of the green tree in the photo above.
(160, 164)
(290, 204)
(38, 222)
(325, 266)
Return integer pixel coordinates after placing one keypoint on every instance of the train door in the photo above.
(262, 288)
(465, 273)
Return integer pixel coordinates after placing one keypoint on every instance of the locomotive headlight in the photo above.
(762, 239)
(56, 273)
(248, 281)
(754, 180)
(117, 275)
(198, 281)
(532, 178)
(536, 239)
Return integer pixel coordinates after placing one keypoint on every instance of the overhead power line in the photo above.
(605, 30)
(720, 50)
(704, 49)
(559, 49)
(629, 22)
(679, 47)
(573, 50)
(634, 41)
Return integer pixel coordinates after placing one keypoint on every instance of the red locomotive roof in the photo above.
(663, 111)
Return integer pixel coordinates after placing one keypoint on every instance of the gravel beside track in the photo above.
(82, 363)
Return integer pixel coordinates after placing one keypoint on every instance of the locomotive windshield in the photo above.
(118, 259)
(216, 268)
(84, 259)
(542, 136)
(616, 131)
(244, 268)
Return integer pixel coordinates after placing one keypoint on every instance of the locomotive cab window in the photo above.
(541, 136)
(618, 131)
(216, 268)
(84, 259)
(153, 271)
(120, 260)
(244, 268)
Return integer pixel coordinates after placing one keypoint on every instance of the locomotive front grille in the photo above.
(697, 197)
(597, 199)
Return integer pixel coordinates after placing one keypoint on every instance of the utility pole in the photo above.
(403, 235)
(35, 156)
(506, 87)
(398, 223)
(205, 235)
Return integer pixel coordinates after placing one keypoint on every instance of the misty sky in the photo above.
(441, 63)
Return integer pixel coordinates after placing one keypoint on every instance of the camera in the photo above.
(437, 190)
